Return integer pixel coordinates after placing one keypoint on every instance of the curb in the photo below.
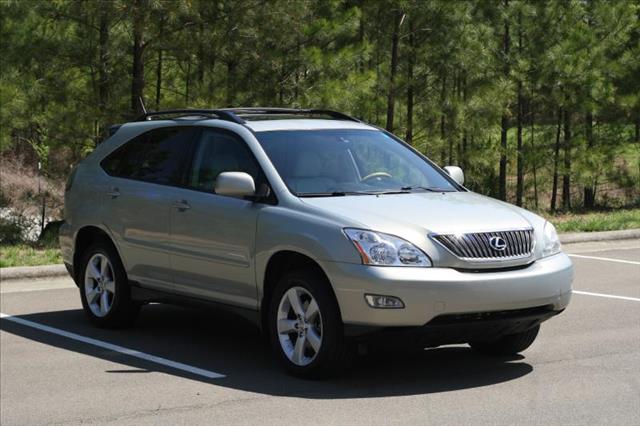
(24, 272)
(587, 237)
(50, 271)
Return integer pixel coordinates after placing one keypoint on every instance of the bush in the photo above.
(10, 232)
(49, 235)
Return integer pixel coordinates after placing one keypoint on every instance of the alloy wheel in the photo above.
(299, 326)
(99, 285)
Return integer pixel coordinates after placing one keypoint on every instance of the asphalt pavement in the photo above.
(181, 366)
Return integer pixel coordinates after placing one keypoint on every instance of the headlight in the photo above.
(551, 243)
(380, 249)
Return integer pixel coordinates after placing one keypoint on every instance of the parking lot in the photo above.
(180, 366)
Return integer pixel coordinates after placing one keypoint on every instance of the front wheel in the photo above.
(305, 327)
(104, 288)
(508, 345)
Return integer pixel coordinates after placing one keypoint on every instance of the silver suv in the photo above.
(326, 231)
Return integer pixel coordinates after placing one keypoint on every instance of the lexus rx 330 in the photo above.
(326, 231)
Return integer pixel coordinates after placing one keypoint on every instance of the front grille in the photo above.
(477, 245)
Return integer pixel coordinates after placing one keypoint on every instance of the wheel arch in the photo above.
(278, 264)
(86, 236)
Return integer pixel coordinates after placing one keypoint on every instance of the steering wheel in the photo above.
(375, 175)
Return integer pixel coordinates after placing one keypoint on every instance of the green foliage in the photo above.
(27, 255)
(67, 74)
(601, 221)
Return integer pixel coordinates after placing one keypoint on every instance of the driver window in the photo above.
(217, 152)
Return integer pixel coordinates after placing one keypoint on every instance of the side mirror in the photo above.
(456, 173)
(235, 184)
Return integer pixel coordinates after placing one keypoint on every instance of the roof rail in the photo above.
(289, 111)
(225, 115)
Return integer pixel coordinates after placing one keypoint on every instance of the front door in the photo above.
(213, 236)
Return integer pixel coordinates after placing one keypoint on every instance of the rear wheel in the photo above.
(508, 345)
(104, 288)
(305, 327)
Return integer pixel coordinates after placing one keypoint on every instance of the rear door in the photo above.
(144, 173)
(213, 236)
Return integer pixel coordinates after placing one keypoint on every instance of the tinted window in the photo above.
(324, 162)
(156, 156)
(217, 152)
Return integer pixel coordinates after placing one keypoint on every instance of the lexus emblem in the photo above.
(497, 243)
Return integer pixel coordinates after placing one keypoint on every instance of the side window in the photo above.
(157, 156)
(217, 152)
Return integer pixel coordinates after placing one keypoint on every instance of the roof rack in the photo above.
(235, 114)
(225, 115)
(289, 111)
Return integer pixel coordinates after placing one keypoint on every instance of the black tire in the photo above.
(511, 344)
(336, 352)
(123, 310)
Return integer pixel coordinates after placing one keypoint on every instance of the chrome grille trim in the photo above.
(475, 245)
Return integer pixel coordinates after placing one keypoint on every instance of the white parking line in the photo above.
(631, 262)
(609, 296)
(111, 347)
(609, 248)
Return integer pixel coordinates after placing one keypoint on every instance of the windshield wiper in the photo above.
(332, 194)
(390, 191)
(425, 188)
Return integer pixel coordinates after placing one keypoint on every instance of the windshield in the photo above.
(346, 162)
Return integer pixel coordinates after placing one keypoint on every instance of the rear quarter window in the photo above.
(157, 156)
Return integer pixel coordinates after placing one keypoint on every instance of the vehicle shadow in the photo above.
(232, 346)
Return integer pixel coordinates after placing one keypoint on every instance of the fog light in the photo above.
(383, 302)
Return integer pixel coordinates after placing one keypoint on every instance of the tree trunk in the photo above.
(452, 124)
(504, 123)
(589, 189)
(443, 135)
(520, 118)
(201, 57)
(410, 61)
(103, 65)
(463, 160)
(211, 66)
(443, 121)
(520, 156)
(231, 77)
(159, 66)
(187, 82)
(393, 69)
(361, 59)
(503, 158)
(566, 176)
(556, 161)
(137, 72)
(534, 160)
(159, 79)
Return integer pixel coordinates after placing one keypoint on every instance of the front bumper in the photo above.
(432, 292)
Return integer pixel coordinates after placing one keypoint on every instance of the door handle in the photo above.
(114, 193)
(181, 205)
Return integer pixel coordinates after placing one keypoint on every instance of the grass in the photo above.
(597, 221)
(27, 255)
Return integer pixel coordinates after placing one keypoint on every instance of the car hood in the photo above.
(434, 212)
